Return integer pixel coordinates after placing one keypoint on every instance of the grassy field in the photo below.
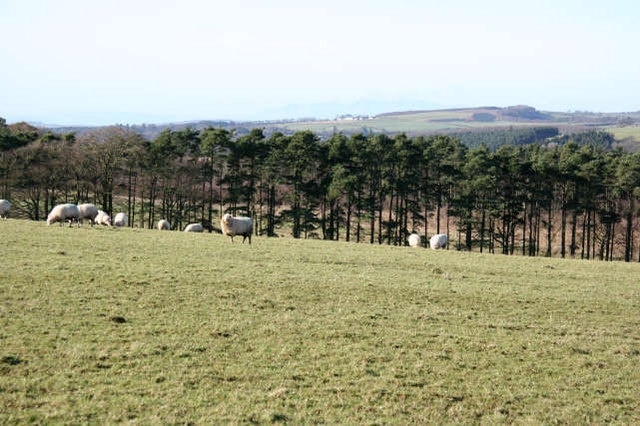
(630, 134)
(109, 325)
(419, 122)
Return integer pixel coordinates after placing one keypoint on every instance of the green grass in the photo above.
(141, 326)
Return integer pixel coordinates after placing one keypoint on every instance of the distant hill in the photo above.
(456, 120)
(625, 125)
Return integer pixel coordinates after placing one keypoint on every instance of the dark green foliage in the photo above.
(16, 136)
(595, 138)
(495, 138)
(524, 112)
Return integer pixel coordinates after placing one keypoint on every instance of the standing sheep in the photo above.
(438, 241)
(414, 240)
(87, 211)
(5, 206)
(121, 219)
(194, 227)
(103, 218)
(163, 225)
(238, 225)
(63, 212)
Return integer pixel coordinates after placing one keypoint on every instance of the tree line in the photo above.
(575, 197)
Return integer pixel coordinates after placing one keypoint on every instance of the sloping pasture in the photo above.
(104, 325)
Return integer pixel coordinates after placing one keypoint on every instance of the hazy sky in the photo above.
(135, 61)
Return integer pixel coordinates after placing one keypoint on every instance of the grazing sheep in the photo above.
(121, 219)
(103, 218)
(194, 227)
(414, 240)
(87, 211)
(5, 206)
(163, 225)
(438, 241)
(238, 225)
(63, 212)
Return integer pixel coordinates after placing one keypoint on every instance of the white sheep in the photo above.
(237, 225)
(87, 211)
(121, 219)
(5, 206)
(164, 225)
(63, 212)
(414, 240)
(103, 218)
(438, 241)
(194, 227)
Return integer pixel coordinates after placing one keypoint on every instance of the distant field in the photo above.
(455, 120)
(627, 132)
(408, 122)
(109, 325)
(394, 125)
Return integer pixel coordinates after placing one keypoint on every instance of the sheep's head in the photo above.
(227, 219)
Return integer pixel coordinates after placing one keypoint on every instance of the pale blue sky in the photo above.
(152, 61)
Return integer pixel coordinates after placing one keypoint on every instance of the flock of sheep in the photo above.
(230, 225)
(69, 212)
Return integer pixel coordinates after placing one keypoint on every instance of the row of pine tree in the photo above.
(567, 198)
